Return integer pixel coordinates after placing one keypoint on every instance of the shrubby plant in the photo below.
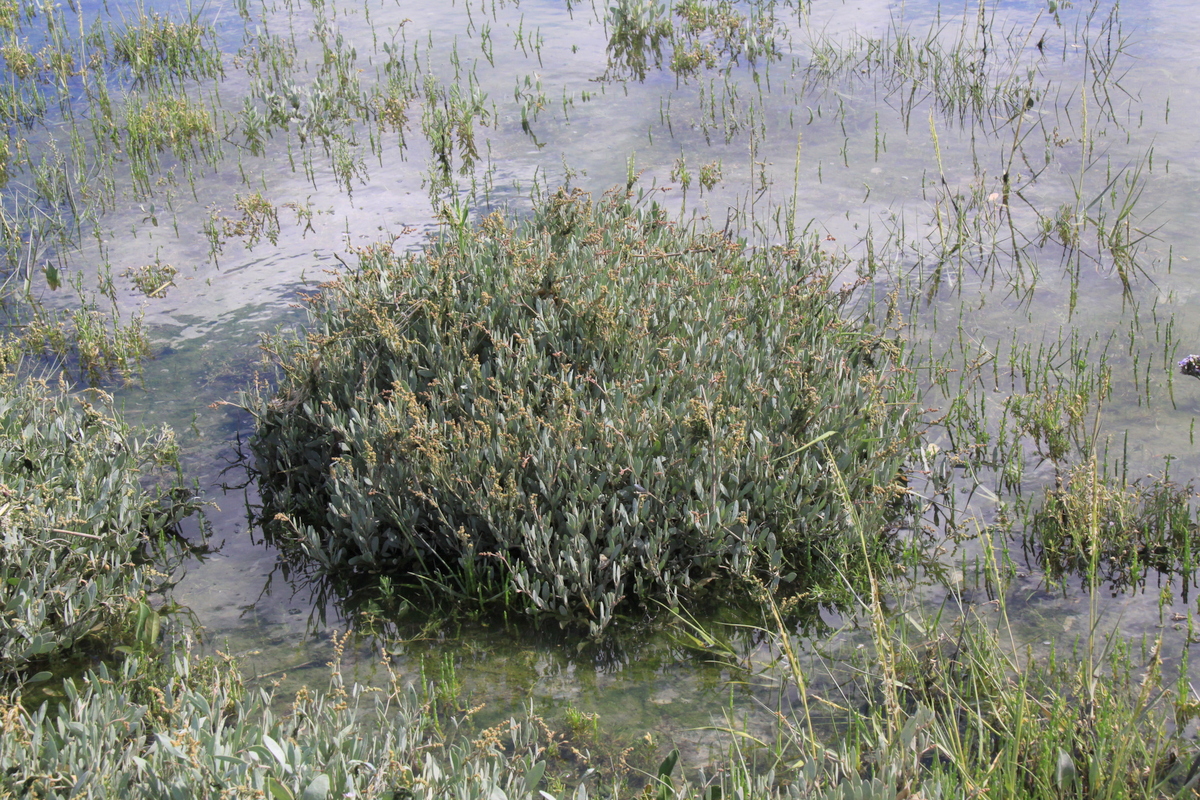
(588, 411)
(189, 729)
(78, 518)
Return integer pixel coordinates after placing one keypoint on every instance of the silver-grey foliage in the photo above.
(594, 408)
(77, 514)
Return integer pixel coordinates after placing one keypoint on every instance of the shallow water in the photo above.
(862, 158)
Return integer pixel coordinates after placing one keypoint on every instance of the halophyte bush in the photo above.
(586, 413)
(85, 501)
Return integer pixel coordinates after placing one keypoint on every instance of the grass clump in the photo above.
(966, 713)
(165, 123)
(155, 47)
(708, 35)
(969, 717)
(76, 520)
(588, 412)
(86, 341)
(152, 280)
(1122, 532)
(639, 29)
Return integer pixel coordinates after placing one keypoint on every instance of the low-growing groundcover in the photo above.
(948, 711)
(585, 414)
(79, 519)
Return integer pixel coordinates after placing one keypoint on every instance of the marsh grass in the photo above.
(166, 123)
(955, 703)
(707, 36)
(971, 67)
(156, 48)
(1124, 532)
(639, 31)
(70, 130)
(87, 342)
(972, 713)
(978, 716)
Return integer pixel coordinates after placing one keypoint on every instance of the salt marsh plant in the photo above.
(599, 409)
(976, 716)
(1091, 524)
(79, 525)
(191, 729)
(971, 719)
(156, 48)
(584, 414)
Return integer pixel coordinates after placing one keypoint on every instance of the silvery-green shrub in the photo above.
(189, 730)
(78, 509)
(586, 412)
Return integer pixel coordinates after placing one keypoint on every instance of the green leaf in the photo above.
(804, 447)
(668, 766)
(278, 790)
(1064, 770)
(41, 677)
(533, 775)
(666, 788)
(153, 628)
(318, 789)
(169, 747)
(277, 752)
